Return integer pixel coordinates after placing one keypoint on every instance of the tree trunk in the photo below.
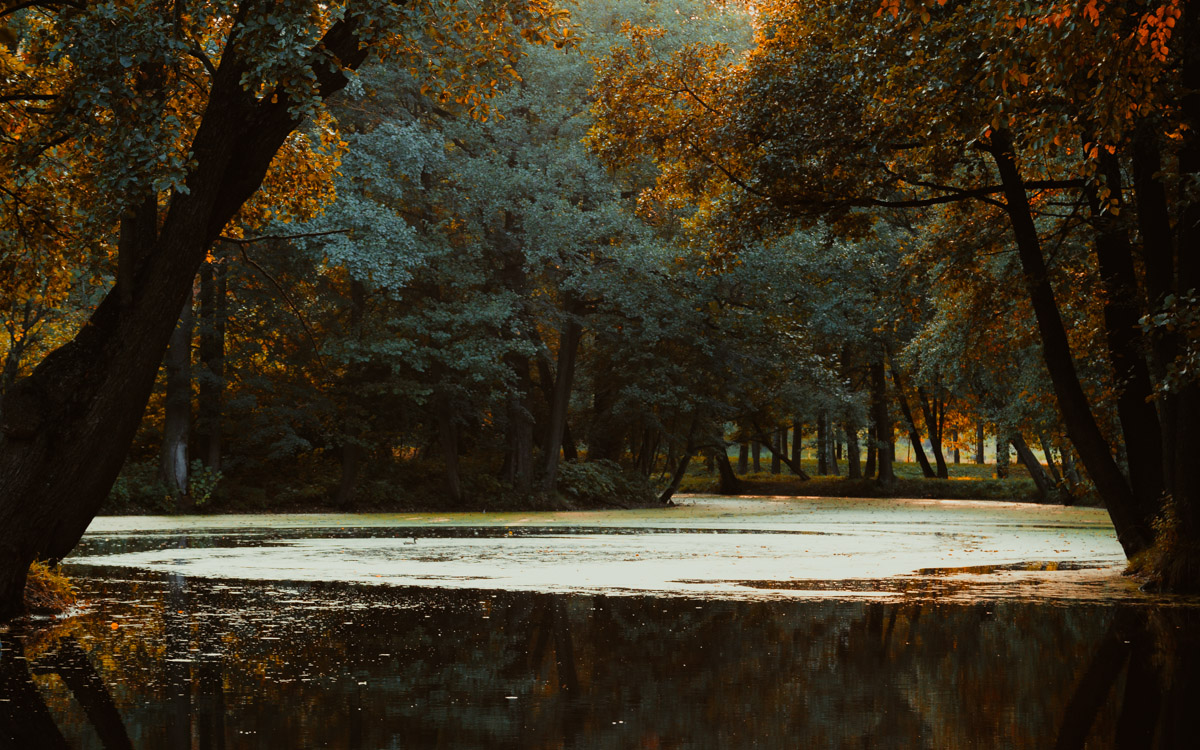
(689, 449)
(780, 440)
(853, 470)
(914, 437)
(743, 458)
(569, 451)
(797, 443)
(729, 483)
(1033, 466)
(762, 439)
(1054, 475)
(67, 427)
(1132, 525)
(518, 464)
(568, 348)
(929, 410)
(177, 411)
(979, 444)
(211, 378)
(605, 434)
(353, 454)
(1136, 413)
(834, 443)
(883, 425)
(1001, 455)
(756, 453)
(872, 447)
(822, 444)
(447, 427)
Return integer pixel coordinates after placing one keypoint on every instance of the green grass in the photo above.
(966, 482)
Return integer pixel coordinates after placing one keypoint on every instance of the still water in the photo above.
(725, 624)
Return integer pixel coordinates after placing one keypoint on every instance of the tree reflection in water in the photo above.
(168, 663)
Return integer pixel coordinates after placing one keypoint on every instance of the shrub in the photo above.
(603, 483)
(48, 590)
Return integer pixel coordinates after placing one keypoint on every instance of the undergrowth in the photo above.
(48, 590)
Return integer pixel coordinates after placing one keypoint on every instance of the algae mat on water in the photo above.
(708, 547)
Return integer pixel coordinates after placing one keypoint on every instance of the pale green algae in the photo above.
(708, 547)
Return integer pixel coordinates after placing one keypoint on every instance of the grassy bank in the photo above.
(966, 482)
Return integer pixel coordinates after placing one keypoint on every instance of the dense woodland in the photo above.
(492, 253)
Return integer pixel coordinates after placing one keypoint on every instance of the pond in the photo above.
(722, 623)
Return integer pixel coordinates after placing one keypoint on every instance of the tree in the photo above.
(845, 106)
(181, 114)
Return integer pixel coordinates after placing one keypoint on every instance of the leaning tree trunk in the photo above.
(689, 450)
(65, 430)
(1050, 465)
(914, 436)
(1033, 466)
(933, 420)
(1133, 525)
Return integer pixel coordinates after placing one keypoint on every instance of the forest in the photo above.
(503, 254)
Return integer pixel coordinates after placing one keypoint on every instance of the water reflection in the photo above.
(170, 662)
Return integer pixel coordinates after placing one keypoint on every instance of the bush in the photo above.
(48, 590)
(603, 483)
(138, 489)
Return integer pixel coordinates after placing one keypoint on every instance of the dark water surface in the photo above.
(160, 659)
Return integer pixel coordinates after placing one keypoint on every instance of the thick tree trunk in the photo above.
(568, 348)
(729, 483)
(177, 411)
(1122, 314)
(1132, 525)
(779, 440)
(979, 444)
(210, 380)
(743, 458)
(66, 429)
(853, 470)
(756, 455)
(883, 426)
